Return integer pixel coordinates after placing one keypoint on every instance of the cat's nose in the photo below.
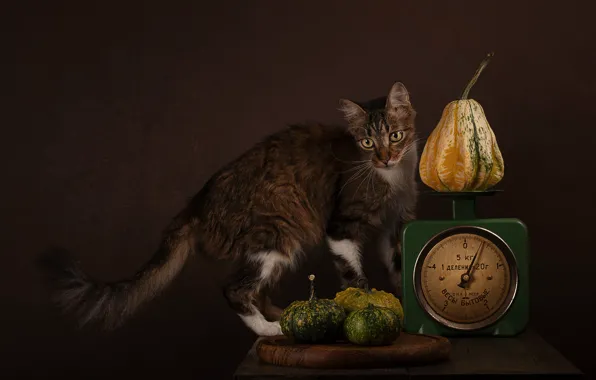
(385, 161)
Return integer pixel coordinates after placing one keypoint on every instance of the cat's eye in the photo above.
(367, 143)
(396, 136)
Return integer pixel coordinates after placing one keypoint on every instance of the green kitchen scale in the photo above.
(465, 275)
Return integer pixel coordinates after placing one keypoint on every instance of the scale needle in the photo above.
(465, 278)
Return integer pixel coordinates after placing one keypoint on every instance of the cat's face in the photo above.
(384, 135)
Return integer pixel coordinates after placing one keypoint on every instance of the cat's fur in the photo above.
(290, 192)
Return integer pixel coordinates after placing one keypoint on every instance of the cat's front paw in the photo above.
(271, 329)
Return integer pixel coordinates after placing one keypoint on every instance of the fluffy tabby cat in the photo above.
(290, 192)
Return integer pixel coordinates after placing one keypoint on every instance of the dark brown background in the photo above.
(115, 114)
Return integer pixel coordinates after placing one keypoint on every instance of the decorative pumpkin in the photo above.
(461, 153)
(313, 321)
(353, 299)
(372, 326)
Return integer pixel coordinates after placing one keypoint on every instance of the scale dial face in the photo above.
(466, 278)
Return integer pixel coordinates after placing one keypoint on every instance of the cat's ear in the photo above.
(353, 113)
(398, 96)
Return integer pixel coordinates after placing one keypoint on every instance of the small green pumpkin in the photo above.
(353, 299)
(314, 320)
(372, 326)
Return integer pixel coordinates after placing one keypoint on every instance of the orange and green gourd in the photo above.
(353, 299)
(461, 154)
(314, 320)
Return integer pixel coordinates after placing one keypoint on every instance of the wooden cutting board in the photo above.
(407, 349)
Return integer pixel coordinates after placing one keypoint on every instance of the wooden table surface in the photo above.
(524, 356)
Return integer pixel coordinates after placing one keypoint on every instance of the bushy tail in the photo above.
(110, 304)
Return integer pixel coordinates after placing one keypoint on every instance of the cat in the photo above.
(300, 187)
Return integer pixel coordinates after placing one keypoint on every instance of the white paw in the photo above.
(257, 323)
(272, 329)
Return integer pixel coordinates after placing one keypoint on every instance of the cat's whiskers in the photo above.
(356, 167)
(410, 146)
(368, 178)
(406, 150)
(414, 143)
(355, 176)
(372, 180)
(368, 174)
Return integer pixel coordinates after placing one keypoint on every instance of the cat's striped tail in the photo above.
(111, 303)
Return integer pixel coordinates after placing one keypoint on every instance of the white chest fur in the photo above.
(403, 172)
(392, 176)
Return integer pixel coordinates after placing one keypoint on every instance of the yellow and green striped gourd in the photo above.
(462, 154)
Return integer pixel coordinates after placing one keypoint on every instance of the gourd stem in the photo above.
(312, 287)
(479, 71)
